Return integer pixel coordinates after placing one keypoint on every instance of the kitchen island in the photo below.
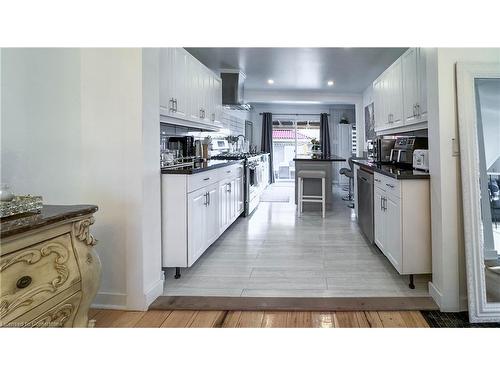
(313, 186)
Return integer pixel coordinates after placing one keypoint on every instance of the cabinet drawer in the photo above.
(31, 276)
(387, 184)
(232, 171)
(200, 180)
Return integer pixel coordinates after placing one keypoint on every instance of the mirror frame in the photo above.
(479, 309)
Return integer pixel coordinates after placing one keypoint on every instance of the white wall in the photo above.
(41, 127)
(82, 126)
(448, 285)
(367, 99)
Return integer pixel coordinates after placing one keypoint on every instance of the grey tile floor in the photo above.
(274, 253)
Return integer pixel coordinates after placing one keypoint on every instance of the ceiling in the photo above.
(351, 69)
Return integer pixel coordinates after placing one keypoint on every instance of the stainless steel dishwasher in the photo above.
(365, 202)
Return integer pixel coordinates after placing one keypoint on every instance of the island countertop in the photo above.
(320, 158)
(394, 171)
(49, 214)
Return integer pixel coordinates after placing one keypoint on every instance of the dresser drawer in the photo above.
(34, 274)
(200, 180)
(61, 315)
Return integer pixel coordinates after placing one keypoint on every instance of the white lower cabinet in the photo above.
(196, 210)
(401, 210)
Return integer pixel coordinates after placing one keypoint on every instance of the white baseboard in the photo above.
(116, 301)
(437, 296)
(154, 292)
(435, 293)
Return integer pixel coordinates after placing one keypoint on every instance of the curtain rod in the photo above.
(295, 114)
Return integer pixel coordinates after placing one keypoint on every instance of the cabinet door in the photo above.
(223, 220)
(239, 195)
(393, 246)
(196, 89)
(410, 86)
(379, 218)
(197, 207)
(181, 82)
(396, 106)
(212, 215)
(233, 205)
(166, 83)
(422, 84)
(378, 104)
(218, 101)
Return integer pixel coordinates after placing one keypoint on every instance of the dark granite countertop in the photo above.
(394, 171)
(50, 214)
(320, 158)
(200, 167)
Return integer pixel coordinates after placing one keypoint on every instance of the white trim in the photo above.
(165, 118)
(116, 301)
(479, 309)
(154, 292)
(403, 129)
(435, 293)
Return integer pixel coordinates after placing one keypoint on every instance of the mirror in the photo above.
(478, 89)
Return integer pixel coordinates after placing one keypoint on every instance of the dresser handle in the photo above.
(23, 282)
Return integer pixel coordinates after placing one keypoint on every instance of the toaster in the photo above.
(421, 159)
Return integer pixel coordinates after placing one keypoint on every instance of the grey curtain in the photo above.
(266, 144)
(324, 134)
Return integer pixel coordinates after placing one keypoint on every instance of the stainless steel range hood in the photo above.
(232, 89)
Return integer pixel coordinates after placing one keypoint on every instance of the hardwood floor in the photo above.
(257, 319)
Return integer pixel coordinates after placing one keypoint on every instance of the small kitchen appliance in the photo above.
(184, 145)
(382, 149)
(421, 159)
(402, 152)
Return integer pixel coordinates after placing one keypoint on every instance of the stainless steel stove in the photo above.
(255, 179)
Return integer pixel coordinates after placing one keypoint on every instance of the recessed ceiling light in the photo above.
(270, 81)
(330, 83)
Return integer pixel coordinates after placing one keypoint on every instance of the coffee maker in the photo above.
(402, 152)
(184, 146)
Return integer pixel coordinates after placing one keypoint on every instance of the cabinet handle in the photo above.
(381, 203)
(228, 171)
(391, 186)
(23, 282)
(414, 110)
(201, 113)
(175, 102)
(208, 196)
(171, 102)
(377, 180)
(206, 179)
(206, 199)
(418, 110)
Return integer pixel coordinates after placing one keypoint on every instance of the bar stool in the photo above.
(311, 198)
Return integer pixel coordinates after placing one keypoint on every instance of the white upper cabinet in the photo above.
(388, 98)
(189, 93)
(415, 86)
(400, 94)
(422, 84)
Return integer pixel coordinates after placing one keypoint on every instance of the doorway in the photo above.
(291, 138)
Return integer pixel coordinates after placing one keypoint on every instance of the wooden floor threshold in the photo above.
(294, 303)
